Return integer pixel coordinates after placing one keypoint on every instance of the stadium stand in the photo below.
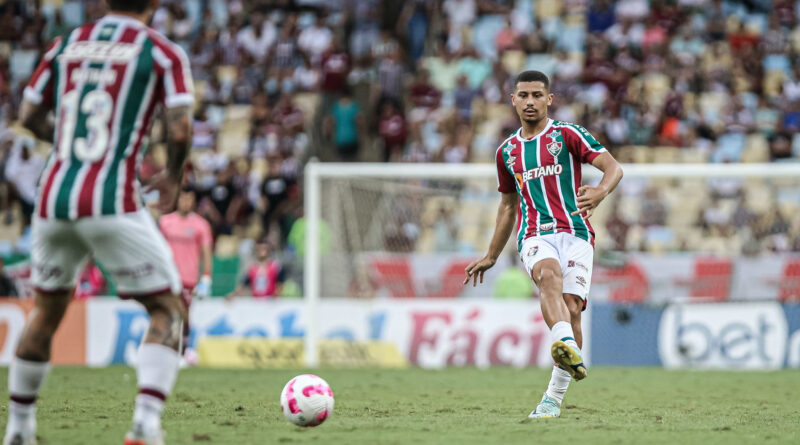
(282, 81)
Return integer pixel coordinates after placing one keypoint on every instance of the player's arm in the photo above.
(205, 242)
(37, 102)
(506, 217)
(179, 142)
(36, 119)
(590, 197)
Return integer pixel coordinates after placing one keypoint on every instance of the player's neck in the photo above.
(184, 214)
(143, 17)
(531, 129)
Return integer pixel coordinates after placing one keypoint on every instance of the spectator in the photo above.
(344, 125)
(315, 39)
(257, 39)
(424, 96)
(222, 203)
(391, 74)
(264, 278)
(393, 131)
(464, 95)
(274, 195)
(601, 16)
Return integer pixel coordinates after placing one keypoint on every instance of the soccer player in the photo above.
(539, 176)
(189, 236)
(104, 82)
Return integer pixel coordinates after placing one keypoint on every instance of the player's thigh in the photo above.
(57, 255)
(134, 252)
(538, 254)
(576, 263)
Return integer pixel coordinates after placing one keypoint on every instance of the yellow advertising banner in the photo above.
(267, 353)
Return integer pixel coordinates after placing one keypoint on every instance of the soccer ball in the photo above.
(307, 400)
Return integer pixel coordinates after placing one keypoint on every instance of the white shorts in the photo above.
(574, 254)
(129, 246)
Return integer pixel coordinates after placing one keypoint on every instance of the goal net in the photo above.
(671, 232)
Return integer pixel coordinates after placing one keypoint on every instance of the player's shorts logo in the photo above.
(533, 250)
(580, 280)
(577, 264)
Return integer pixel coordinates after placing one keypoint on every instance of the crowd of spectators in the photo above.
(282, 81)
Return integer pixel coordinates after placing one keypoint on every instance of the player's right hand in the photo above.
(476, 269)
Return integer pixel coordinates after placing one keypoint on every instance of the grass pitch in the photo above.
(453, 406)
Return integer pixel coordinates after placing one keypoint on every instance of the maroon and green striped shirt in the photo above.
(546, 173)
(104, 81)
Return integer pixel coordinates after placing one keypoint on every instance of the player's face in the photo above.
(531, 100)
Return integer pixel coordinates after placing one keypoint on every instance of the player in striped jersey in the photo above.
(105, 82)
(539, 176)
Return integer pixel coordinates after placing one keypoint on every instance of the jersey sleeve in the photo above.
(172, 65)
(40, 88)
(204, 237)
(505, 182)
(582, 144)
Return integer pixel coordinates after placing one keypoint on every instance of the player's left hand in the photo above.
(588, 199)
(168, 190)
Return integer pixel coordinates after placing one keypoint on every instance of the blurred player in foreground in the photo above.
(539, 175)
(104, 82)
(189, 236)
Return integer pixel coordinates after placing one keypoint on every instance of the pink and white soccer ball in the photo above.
(307, 400)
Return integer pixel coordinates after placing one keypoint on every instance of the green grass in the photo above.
(454, 406)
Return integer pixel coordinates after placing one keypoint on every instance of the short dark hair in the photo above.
(533, 76)
(129, 5)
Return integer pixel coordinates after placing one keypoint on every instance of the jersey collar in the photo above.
(122, 18)
(546, 127)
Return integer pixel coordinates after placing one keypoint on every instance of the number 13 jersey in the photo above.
(104, 81)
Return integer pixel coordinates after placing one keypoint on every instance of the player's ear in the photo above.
(550, 97)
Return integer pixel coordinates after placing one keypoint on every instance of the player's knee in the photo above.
(549, 277)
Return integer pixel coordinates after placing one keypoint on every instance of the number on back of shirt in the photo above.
(98, 106)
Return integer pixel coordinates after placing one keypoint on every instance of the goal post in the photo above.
(360, 208)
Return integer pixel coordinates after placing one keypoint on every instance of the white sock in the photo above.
(157, 370)
(25, 379)
(563, 331)
(559, 382)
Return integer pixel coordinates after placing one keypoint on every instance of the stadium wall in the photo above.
(439, 333)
